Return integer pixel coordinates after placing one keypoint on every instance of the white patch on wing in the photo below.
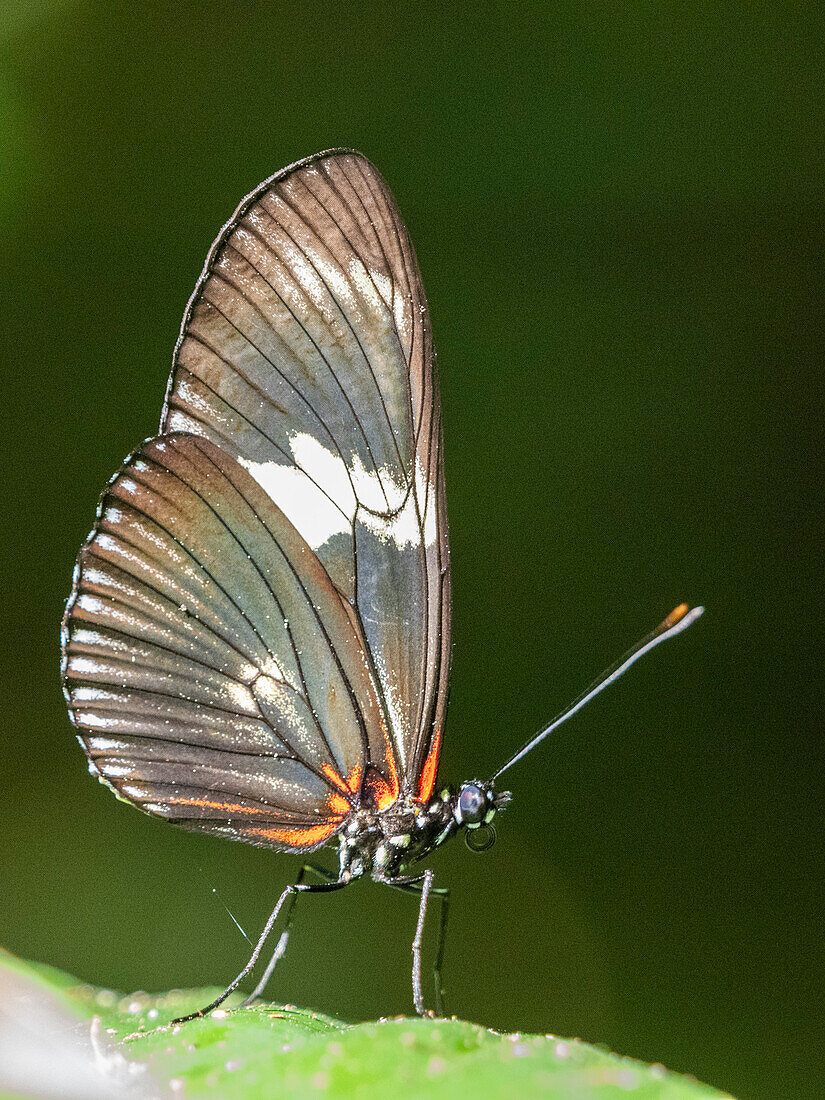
(404, 324)
(136, 560)
(348, 486)
(178, 421)
(384, 284)
(86, 718)
(93, 604)
(319, 262)
(271, 692)
(106, 744)
(273, 673)
(369, 487)
(193, 397)
(326, 468)
(99, 576)
(87, 635)
(427, 491)
(114, 771)
(310, 512)
(342, 290)
(367, 281)
(85, 666)
(306, 277)
(319, 277)
(270, 667)
(135, 792)
(85, 694)
(139, 570)
(401, 528)
(399, 303)
(241, 696)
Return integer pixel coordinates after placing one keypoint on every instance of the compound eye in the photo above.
(472, 804)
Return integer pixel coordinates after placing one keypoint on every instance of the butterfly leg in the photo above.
(290, 891)
(444, 894)
(278, 953)
(422, 887)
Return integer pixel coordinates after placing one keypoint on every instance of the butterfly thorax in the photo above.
(386, 843)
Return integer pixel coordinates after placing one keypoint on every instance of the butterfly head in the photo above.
(475, 806)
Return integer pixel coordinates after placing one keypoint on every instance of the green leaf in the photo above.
(273, 1050)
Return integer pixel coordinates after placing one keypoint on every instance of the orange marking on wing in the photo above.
(338, 804)
(378, 791)
(354, 779)
(334, 777)
(228, 807)
(383, 794)
(426, 781)
(393, 787)
(342, 803)
(297, 837)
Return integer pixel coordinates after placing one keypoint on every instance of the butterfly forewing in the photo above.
(258, 636)
(306, 352)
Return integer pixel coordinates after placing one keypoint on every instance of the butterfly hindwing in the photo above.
(212, 671)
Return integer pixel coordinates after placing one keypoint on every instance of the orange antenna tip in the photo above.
(678, 620)
(676, 614)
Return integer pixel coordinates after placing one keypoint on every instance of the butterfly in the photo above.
(257, 642)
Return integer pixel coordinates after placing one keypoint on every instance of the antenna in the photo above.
(678, 620)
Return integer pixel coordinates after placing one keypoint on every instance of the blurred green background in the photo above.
(618, 210)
